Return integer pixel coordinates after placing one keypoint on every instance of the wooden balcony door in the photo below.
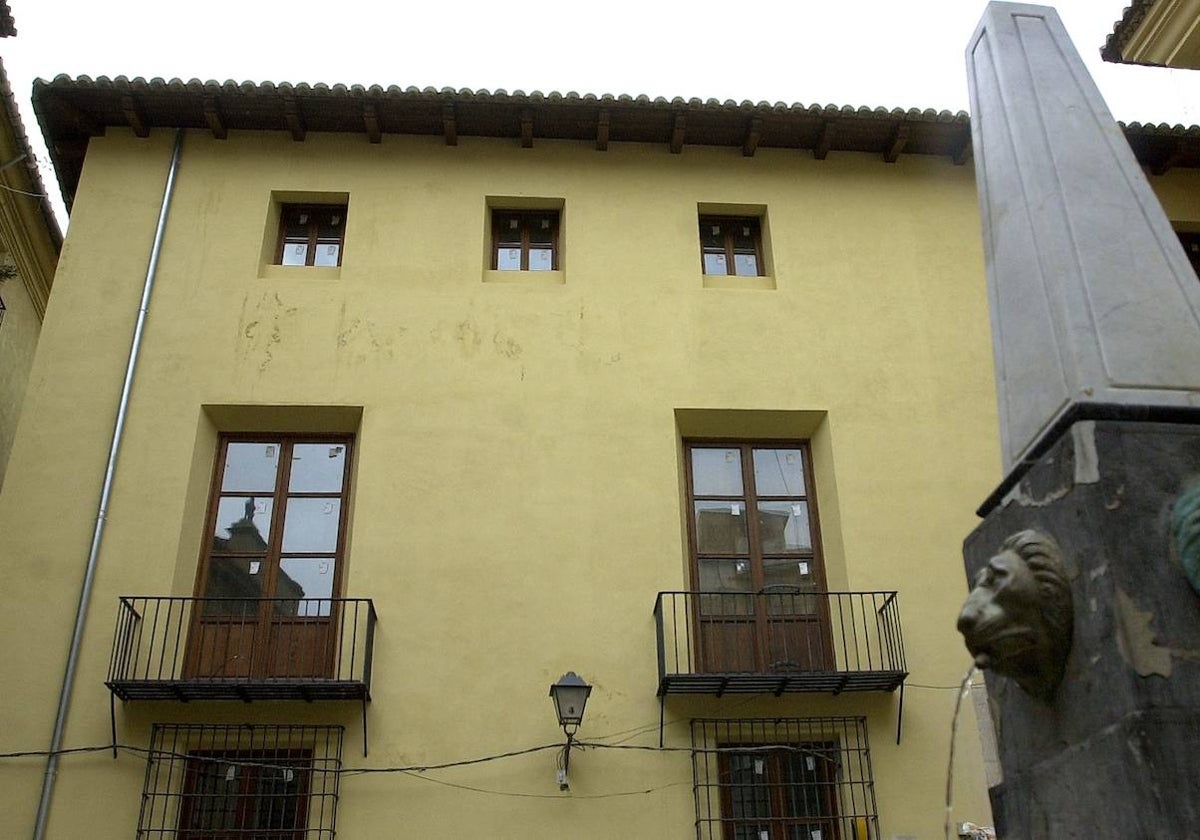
(272, 561)
(756, 559)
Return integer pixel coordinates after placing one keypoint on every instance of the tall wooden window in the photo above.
(525, 240)
(755, 557)
(311, 234)
(272, 564)
(780, 794)
(731, 245)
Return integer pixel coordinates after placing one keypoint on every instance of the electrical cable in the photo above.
(23, 192)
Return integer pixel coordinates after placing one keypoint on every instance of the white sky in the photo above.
(900, 53)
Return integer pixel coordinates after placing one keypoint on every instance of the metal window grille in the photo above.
(783, 779)
(206, 782)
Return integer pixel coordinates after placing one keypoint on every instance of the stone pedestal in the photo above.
(1113, 754)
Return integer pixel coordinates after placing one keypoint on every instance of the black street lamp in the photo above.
(570, 695)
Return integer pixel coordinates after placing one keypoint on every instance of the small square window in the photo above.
(731, 245)
(525, 240)
(311, 234)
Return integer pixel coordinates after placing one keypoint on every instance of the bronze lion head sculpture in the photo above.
(1018, 619)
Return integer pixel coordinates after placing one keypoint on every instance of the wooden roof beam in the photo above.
(899, 139)
(214, 118)
(753, 135)
(964, 152)
(677, 133)
(1162, 166)
(527, 128)
(84, 122)
(825, 141)
(603, 123)
(371, 123)
(134, 116)
(450, 124)
(293, 117)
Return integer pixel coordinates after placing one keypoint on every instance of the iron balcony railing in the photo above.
(781, 639)
(242, 648)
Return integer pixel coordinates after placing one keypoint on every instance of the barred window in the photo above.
(783, 779)
(208, 782)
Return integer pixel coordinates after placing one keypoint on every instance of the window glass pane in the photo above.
(745, 265)
(541, 229)
(234, 577)
(541, 259)
(250, 467)
(727, 575)
(307, 583)
(721, 528)
(327, 253)
(789, 584)
(745, 232)
(711, 235)
(779, 472)
(296, 223)
(508, 229)
(276, 800)
(211, 805)
(311, 525)
(783, 526)
(807, 775)
(750, 791)
(330, 221)
(317, 467)
(715, 264)
(243, 524)
(508, 259)
(295, 253)
(716, 472)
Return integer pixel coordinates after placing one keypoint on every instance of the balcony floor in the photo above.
(247, 691)
(798, 682)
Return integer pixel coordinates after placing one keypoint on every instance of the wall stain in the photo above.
(506, 346)
(365, 339)
(467, 334)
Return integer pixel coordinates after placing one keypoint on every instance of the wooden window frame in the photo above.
(247, 799)
(274, 551)
(750, 498)
(525, 218)
(292, 209)
(781, 820)
(730, 251)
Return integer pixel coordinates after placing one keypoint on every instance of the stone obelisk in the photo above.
(1096, 327)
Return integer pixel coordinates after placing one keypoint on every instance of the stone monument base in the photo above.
(1113, 753)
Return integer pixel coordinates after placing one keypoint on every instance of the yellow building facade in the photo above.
(621, 466)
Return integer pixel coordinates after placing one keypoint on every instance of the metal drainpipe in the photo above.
(89, 575)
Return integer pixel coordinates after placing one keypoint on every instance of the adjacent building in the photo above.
(444, 394)
(30, 240)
